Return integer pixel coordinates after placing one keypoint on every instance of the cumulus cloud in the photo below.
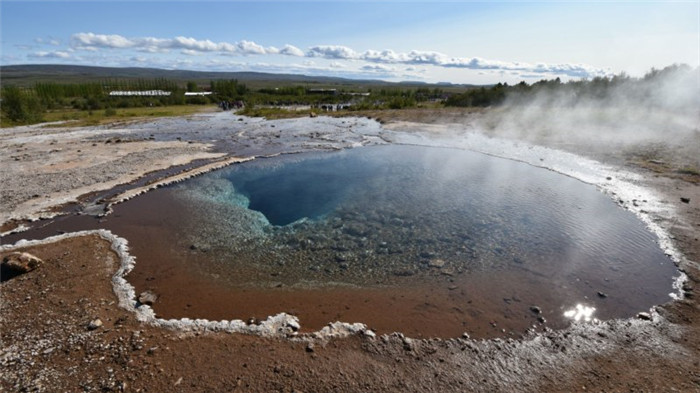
(378, 68)
(50, 55)
(92, 40)
(333, 52)
(336, 53)
(437, 59)
(189, 45)
(291, 50)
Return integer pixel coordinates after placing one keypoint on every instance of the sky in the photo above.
(451, 41)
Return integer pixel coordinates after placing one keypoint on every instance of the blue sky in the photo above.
(455, 41)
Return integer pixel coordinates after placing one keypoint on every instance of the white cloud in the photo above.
(291, 50)
(332, 52)
(382, 59)
(378, 68)
(335, 64)
(251, 48)
(190, 52)
(50, 55)
(93, 40)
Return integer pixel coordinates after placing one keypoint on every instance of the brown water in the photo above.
(426, 241)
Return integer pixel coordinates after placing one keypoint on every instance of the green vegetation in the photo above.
(80, 118)
(21, 107)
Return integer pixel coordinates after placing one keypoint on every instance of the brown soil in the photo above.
(48, 346)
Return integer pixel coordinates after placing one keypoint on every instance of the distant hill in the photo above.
(29, 74)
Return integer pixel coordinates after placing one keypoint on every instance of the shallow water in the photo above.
(427, 241)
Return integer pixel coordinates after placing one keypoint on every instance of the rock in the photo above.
(21, 262)
(685, 200)
(310, 347)
(312, 114)
(602, 295)
(436, 263)
(294, 325)
(369, 334)
(644, 316)
(147, 297)
(404, 272)
(408, 344)
(94, 324)
(536, 309)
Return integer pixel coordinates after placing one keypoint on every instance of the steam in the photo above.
(653, 118)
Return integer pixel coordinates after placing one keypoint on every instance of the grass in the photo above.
(81, 118)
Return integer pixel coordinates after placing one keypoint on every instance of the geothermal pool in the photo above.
(426, 241)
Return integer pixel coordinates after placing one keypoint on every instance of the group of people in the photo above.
(228, 105)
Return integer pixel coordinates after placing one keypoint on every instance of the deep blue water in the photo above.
(299, 189)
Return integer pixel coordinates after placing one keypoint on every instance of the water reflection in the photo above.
(581, 313)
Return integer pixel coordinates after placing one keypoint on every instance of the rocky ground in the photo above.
(62, 329)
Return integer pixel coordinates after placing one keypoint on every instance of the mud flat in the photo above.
(49, 344)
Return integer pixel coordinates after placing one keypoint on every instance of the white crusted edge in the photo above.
(279, 325)
(198, 171)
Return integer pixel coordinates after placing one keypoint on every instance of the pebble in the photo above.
(536, 309)
(147, 297)
(644, 316)
(436, 263)
(310, 347)
(94, 324)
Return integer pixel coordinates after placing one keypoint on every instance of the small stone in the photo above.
(21, 262)
(94, 324)
(310, 347)
(436, 263)
(368, 333)
(147, 297)
(602, 295)
(644, 316)
(294, 325)
(536, 309)
(608, 178)
(685, 200)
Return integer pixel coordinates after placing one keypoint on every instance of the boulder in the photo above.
(21, 262)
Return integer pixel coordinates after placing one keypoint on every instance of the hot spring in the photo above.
(425, 241)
